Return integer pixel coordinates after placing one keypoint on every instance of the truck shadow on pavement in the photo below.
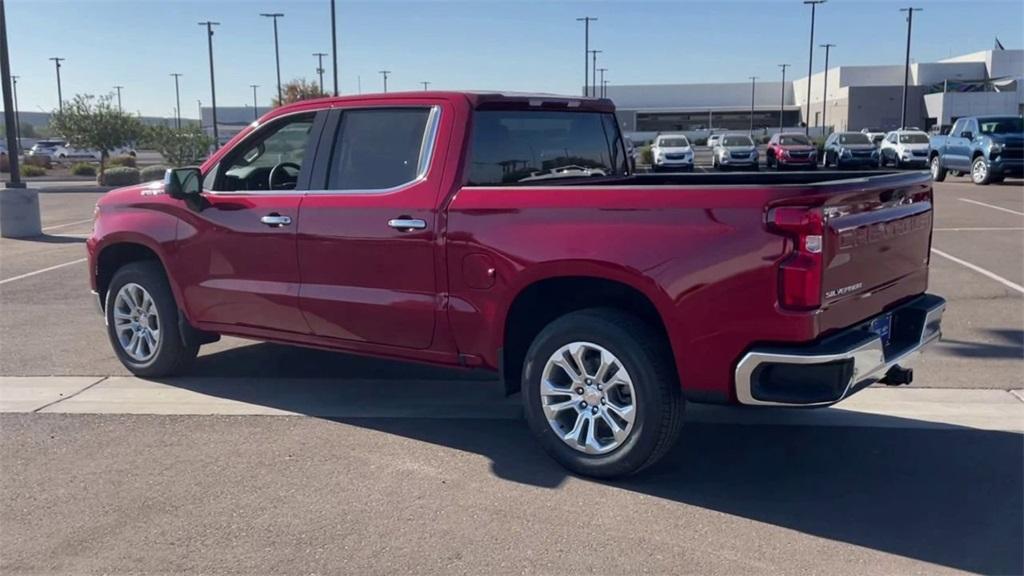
(942, 494)
(1011, 345)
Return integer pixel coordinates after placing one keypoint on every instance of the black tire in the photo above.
(173, 354)
(658, 400)
(980, 165)
(938, 172)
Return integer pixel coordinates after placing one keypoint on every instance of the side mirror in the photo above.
(181, 183)
(966, 134)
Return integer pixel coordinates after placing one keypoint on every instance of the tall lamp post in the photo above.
(586, 51)
(906, 65)
(385, 74)
(277, 53)
(334, 47)
(177, 100)
(118, 88)
(60, 96)
(602, 71)
(810, 64)
(753, 83)
(782, 98)
(17, 120)
(255, 113)
(426, 85)
(594, 54)
(320, 68)
(213, 83)
(824, 94)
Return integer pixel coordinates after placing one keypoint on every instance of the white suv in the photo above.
(904, 148)
(671, 151)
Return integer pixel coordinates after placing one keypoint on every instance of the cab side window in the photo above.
(380, 148)
(270, 159)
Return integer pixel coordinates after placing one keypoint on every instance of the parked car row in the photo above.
(60, 150)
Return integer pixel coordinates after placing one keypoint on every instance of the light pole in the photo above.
(199, 107)
(810, 63)
(60, 96)
(426, 85)
(255, 114)
(10, 120)
(334, 48)
(118, 88)
(586, 51)
(602, 71)
(782, 99)
(177, 100)
(604, 88)
(753, 83)
(277, 53)
(385, 73)
(213, 83)
(320, 68)
(17, 121)
(594, 53)
(824, 95)
(906, 64)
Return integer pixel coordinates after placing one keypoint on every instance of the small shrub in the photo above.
(645, 155)
(128, 161)
(150, 173)
(30, 170)
(5, 163)
(700, 142)
(119, 176)
(83, 169)
(40, 161)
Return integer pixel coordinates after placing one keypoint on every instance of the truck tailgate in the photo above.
(876, 247)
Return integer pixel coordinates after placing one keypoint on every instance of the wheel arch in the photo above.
(116, 253)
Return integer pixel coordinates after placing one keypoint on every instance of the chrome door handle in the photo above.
(407, 224)
(276, 220)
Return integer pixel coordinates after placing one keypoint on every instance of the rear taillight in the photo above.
(800, 272)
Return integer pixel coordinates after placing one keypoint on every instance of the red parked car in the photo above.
(788, 150)
(508, 232)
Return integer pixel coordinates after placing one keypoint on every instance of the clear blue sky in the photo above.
(510, 45)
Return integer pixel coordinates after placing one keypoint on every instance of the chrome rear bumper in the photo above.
(826, 372)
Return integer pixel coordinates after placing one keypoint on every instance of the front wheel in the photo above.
(938, 172)
(980, 172)
(142, 322)
(600, 393)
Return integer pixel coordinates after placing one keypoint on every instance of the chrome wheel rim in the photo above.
(136, 322)
(935, 167)
(588, 397)
(979, 171)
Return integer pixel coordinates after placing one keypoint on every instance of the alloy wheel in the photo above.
(136, 322)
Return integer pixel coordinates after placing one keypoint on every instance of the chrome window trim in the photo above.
(427, 146)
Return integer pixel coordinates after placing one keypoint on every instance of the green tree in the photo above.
(94, 122)
(179, 147)
(299, 89)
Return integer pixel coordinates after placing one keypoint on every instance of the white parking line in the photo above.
(67, 224)
(977, 229)
(981, 271)
(1000, 208)
(6, 280)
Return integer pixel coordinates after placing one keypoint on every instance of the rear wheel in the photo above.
(980, 173)
(938, 172)
(142, 322)
(601, 394)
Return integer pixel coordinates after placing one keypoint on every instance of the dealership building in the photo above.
(987, 82)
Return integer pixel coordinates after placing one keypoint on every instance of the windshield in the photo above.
(913, 138)
(737, 141)
(854, 138)
(1006, 125)
(795, 140)
(676, 142)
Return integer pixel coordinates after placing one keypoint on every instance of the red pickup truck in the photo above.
(507, 232)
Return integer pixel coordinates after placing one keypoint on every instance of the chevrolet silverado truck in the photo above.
(508, 233)
(989, 148)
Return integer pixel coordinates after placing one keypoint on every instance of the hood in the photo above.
(1011, 139)
(797, 147)
(132, 194)
(674, 149)
(859, 146)
(747, 149)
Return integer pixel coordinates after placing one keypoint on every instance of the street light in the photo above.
(782, 99)
(594, 53)
(586, 51)
(118, 88)
(255, 114)
(320, 68)
(824, 96)
(753, 82)
(426, 85)
(602, 71)
(810, 63)
(385, 74)
(906, 65)
(334, 48)
(277, 54)
(177, 100)
(60, 97)
(213, 83)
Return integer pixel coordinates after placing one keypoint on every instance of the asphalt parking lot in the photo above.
(271, 459)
